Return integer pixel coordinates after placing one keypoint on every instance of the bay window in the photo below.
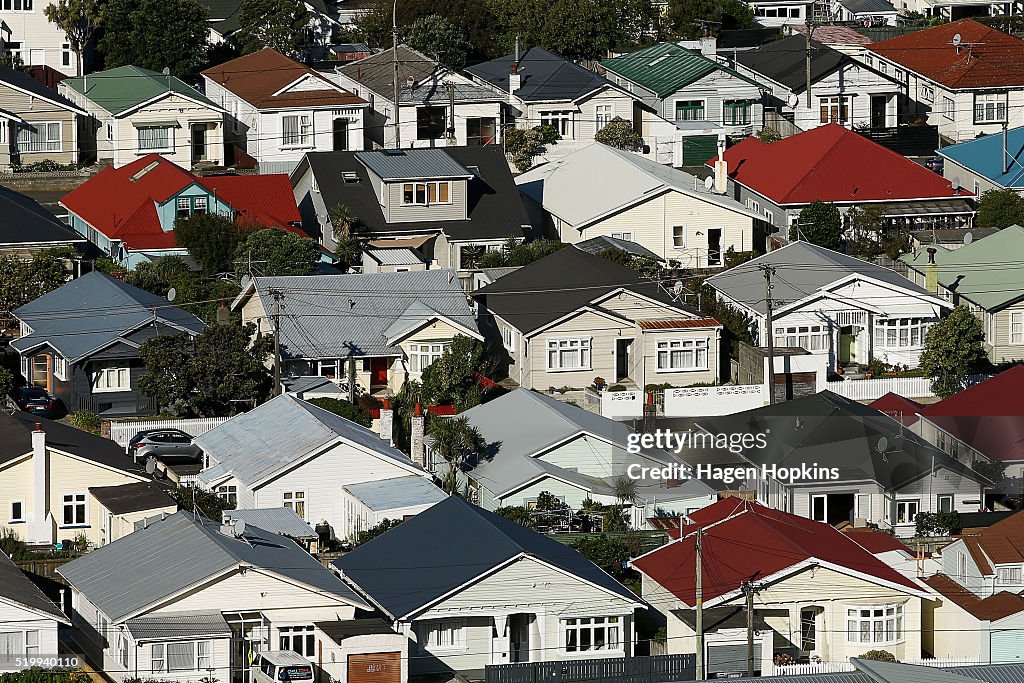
(990, 107)
(156, 139)
(901, 333)
(874, 624)
(296, 130)
(592, 634)
(422, 355)
(682, 355)
(568, 354)
(39, 137)
(810, 337)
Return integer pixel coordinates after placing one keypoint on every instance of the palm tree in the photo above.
(455, 440)
(343, 221)
(625, 490)
(348, 249)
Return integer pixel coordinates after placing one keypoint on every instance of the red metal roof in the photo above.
(677, 323)
(992, 608)
(986, 57)
(832, 164)
(744, 541)
(898, 408)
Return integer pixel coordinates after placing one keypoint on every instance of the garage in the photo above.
(381, 667)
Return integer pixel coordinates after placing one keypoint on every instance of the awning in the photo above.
(156, 124)
(925, 208)
(176, 625)
(404, 243)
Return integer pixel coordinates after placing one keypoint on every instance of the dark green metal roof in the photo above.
(124, 88)
(666, 67)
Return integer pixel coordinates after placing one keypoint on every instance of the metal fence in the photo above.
(656, 669)
(122, 431)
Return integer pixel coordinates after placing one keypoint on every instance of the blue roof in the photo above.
(983, 156)
(397, 493)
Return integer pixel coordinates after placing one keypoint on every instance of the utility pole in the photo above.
(700, 608)
(807, 61)
(276, 293)
(748, 589)
(451, 112)
(768, 271)
(394, 61)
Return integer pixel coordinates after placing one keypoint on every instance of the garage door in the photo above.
(726, 659)
(382, 667)
(1006, 646)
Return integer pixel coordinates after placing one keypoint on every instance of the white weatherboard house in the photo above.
(28, 619)
(25, 32)
(290, 453)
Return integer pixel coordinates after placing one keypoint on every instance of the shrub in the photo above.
(517, 514)
(86, 420)
(356, 413)
(879, 656)
(375, 531)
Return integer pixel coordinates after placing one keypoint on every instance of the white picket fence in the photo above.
(870, 389)
(838, 667)
(121, 432)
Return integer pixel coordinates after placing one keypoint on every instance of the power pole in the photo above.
(352, 379)
(769, 331)
(748, 589)
(276, 293)
(394, 60)
(807, 61)
(700, 608)
(451, 110)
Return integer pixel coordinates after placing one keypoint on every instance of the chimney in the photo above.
(416, 447)
(515, 81)
(721, 168)
(39, 531)
(387, 417)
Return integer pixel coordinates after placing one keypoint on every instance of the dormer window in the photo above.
(184, 207)
(189, 206)
(425, 194)
(199, 205)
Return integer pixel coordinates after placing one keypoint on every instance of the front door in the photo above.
(847, 339)
(878, 106)
(340, 133)
(379, 371)
(198, 143)
(715, 247)
(519, 637)
(622, 359)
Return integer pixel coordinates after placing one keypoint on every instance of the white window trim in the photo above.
(898, 630)
(426, 193)
(810, 510)
(60, 367)
(563, 628)
(108, 389)
(672, 236)
(1001, 98)
(1015, 575)
(693, 344)
(948, 113)
(416, 349)
(156, 150)
(568, 116)
(1017, 318)
(905, 502)
(297, 496)
(74, 504)
(297, 632)
(13, 519)
(459, 640)
(46, 149)
(307, 140)
(508, 339)
(195, 656)
(584, 344)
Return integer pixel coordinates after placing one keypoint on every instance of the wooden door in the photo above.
(382, 667)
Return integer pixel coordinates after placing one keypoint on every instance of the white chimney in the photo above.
(416, 448)
(387, 418)
(721, 168)
(39, 530)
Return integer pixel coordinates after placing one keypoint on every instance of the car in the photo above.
(38, 401)
(167, 445)
(280, 666)
(935, 164)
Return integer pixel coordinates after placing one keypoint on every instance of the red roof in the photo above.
(1002, 543)
(121, 202)
(898, 408)
(832, 164)
(992, 608)
(986, 57)
(744, 541)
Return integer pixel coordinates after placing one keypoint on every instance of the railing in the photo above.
(838, 667)
(907, 387)
(99, 404)
(121, 432)
(658, 669)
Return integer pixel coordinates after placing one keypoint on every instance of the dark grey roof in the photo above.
(145, 495)
(545, 76)
(184, 550)
(951, 235)
(595, 245)
(376, 72)
(26, 222)
(340, 630)
(24, 81)
(169, 625)
(413, 164)
(784, 61)
(559, 284)
(868, 6)
(281, 521)
(92, 312)
(396, 493)
(448, 545)
(434, 88)
(16, 437)
(495, 207)
(18, 588)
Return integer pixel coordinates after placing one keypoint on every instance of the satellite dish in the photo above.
(167, 69)
(709, 182)
(957, 39)
(955, 182)
(239, 527)
(883, 445)
(171, 294)
(968, 238)
(793, 100)
(677, 288)
(150, 465)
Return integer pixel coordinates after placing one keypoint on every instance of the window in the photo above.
(156, 139)
(423, 194)
(569, 354)
(508, 339)
(12, 643)
(18, 6)
(678, 236)
(181, 656)
(422, 355)
(736, 112)
(470, 255)
(184, 209)
(199, 205)
(1008, 576)
(1017, 327)
(122, 650)
(481, 131)
(682, 354)
(40, 137)
(17, 511)
(590, 634)
(689, 110)
(603, 115)
(901, 333)
(65, 54)
(295, 500)
(906, 511)
(32, 643)
(874, 624)
(60, 368)
(298, 639)
(810, 337)
(808, 629)
(945, 503)
(768, 215)
(74, 509)
(431, 123)
(559, 120)
(834, 109)
(898, 73)
(295, 130)
(622, 236)
(228, 493)
(446, 635)
(948, 109)
(961, 566)
(927, 93)
(990, 107)
(111, 378)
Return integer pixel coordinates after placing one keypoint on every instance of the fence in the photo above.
(121, 432)
(907, 387)
(838, 667)
(908, 141)
(657, 669)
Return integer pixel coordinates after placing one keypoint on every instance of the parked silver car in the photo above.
(166, 445)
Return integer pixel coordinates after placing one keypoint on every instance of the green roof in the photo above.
(979, 271)
(666, 67)
(124, 88)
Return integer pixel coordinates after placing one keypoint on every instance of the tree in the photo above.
(953, 351)
(457, 441)
(209, 504)
(610, 553)
(278, 24)
(6, 384)
(22, 281)
(692, 18)
(13, 60)
(517, 514)
(452, 378)
(819, 223)
(525, 144)
(999, 209)
(619, 133)
(348, 250)
(219, 373)
(516, 253)
(78, 20)
(160, 275)
(211, 239)
(375, 531)
(646, 266)
(345, 409)
(344, 221)
(154, 34)
(274, 251)
(439, 39)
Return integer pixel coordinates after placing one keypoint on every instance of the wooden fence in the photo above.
(657, 669)
(122, 431)
(870, 389)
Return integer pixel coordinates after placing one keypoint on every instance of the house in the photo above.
(973, 275)
(290, 453)
(545, 89)
(663, 209)
(30, 620)
(504, 593)
(834, 305)
(36, 124)
(570, 453)
(967, 86)
(947, 238)
(685, 85)
(281, 521)
(129, 212)
(865, 12)
(224, 16)
(846, 39)
(212, 595)
(134, 112)
(773, 13)
(992, 162)
(429, 208)
(571, 317)
(384, 328)
(844, 90)
(279, 109)
(57, 482)
(29, 228)
(27, 34)
(81, 342)
(437, 107)
(831, 163)
(817, 593)
(397, 499)
(859, 464)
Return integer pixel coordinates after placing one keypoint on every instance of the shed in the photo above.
(370, 503)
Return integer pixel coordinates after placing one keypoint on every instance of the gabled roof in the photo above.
(94, 311)
(784, 61)
(183, 551)
(26, 222)
(19, 589)
(545, 76)
(832, 164)
(396, 493)
(987, 57)
(281, 521)
(595, 245)
(803, 268)
(993, 608)
(376, 72)
(561, 283)
(268, 79)
(665, 68)
(27, 84)
(391, 570)
(744, 541)
(413, 164)
(123, 89)
(16, 436)
(984, 156)
(121, 202)
(1001, 543)
(569, 188)
(898, 408)
(281, 433)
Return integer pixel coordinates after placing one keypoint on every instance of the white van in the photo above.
(281, 667)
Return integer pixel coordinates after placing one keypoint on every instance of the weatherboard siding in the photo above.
(714, 89)
(635, 307)
(952, 632)
(475, 654)
(572, 495)
(14, 617)
(34, 110)
(16, 484)
(125, 149)
(1002, 349)
(593, 457)
(972, 579)
(398, 213)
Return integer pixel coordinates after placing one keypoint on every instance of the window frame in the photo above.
(12, 518)
(832, 105)
(304, 635)
(60, 367)
(425, 187)
(877, 624)
(582, 346)
(104, 372)
(948, 108)
(46, 144)
(666, 348)
(997, 101)
(690, 105)
(734, 106)
(608, 623)
(603, 115)
(295, 501)
(907, 504)
(679, 241)
(1017, 319)
(168, 147)
(944, 497)
(418, 351)
(78, 499)
(889, 333)
(457, 641)
(1015, 576)
(562, 120)
(794, 336)
(201, 649)
(227, 493)
(302, 137)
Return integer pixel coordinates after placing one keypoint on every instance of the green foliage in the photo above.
(620, 134)
(879, 656)
(994, 470)
(691, 18)
(6, 384)
(737, 326)
(348, 411)
(953, 350)
(516, 253)
(439, 39)
(22, 281)
(589, 29)
(13, 60)
(348, 250)
(610, 553)
(524, 144)
(458, 442)
(277, 252)
(211, 239)
(159, 276)
(549, 502)
(517, 514)
(938, 523)
(647, 267)
(154, 34)
(44, 166)
(38, 675)
(194, 293)
(78, 19)
(219, 373)
(12, 546)
(768, 135)
(871, 235)
(209, 504)
(819, 223)
(999, 209)
(375, 531)
(344, 221)
(734, 258)
(86, 420)
(625, 489)
(452, 380)
(278, 24)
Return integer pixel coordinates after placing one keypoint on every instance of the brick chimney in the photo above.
(515, 81)
(387, 417)
(416, 446)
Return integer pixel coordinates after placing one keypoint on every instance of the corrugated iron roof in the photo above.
(283, 521)
(399, 492)
(677, 323)
(171, 625)
(666, 67)
(404, 164)
(394, 257)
